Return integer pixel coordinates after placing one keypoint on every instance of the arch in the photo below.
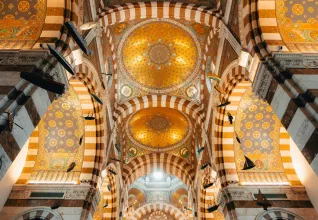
(143, 10)
(145, 164)
(39, 213)
(277, 213)
(84, 82)
(149, 101)
(158, 206)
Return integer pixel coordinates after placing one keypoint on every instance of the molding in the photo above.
(295, 60)
(262, 82)
(34, 211)
(71, 192)
(261, 215)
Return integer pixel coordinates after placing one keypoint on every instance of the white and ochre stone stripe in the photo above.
(157, 206)
(89, 139)
(277, 213)
(143, 10)
(109, 197)
(29, 103)
(149, 101)
(39, 213)
(148, 163)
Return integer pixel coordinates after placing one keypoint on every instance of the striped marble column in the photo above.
(293, 98)
(25, 101)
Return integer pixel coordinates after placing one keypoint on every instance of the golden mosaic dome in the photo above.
(159, 54)
(158, 129)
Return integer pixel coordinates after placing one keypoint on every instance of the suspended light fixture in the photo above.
(109, 187)
(115, 159)
(88, 25)
(248, 164)
(262, 201)
(186, 208)
(201, 149)
(81, 140)
(61, 59)
(77, 38)
(208, 185)
(237, 138)
(217, 88)
(205, 165)
(39, 80)
(213, 208)
(97, 99)
(224, 104)
(117, 146)
(230, 117)
(113, 172)
(56, 204)
(89, 117)
(71, 167)
(106, 204)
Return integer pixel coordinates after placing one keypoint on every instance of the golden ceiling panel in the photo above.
(159, 129)
(21, 23)
(159, 55)
(59, 132)
(298, 24)
(258, 128)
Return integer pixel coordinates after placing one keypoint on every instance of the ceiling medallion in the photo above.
(192, 92)
(126, 91)
(159, 55)
(159, 129)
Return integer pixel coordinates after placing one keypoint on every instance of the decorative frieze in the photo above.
(73, 192)
(262, 81)
(296, 60)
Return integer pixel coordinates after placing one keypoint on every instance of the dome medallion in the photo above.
(159, 55)
(159, 129)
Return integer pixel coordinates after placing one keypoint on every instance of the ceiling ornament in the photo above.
(159, 55)
(298, 24)
(258, 129)
(159, 129)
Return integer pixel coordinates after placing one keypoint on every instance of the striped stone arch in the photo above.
(109, 197)
(190, 108)
(86, 81)
(168, 163)
(38, 213)
(278, 213)
(234, 83)
(158, 206)
(158, 213)
(87, 74)
(110, 15)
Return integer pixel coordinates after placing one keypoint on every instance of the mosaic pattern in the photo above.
(159, 54)
(59, 132)
(158, 129)
(298, 20)
(258, 129)
(21, 22)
